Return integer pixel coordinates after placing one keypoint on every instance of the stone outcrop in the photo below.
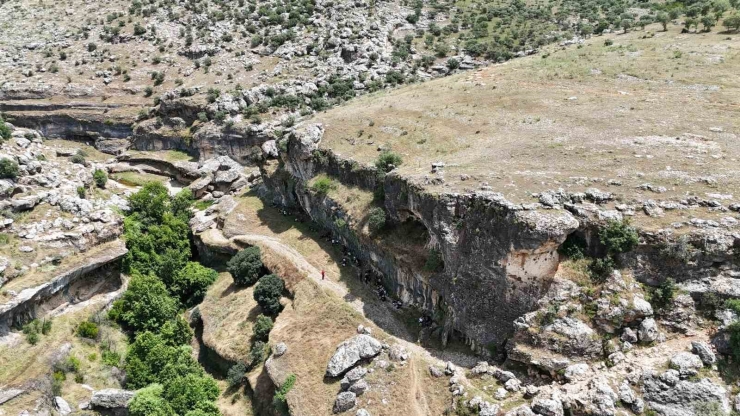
(350, 352)
(112, 400)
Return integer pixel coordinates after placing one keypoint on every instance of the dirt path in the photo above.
(339, 289)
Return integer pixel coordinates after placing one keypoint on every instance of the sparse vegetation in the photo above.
(323, 184)
(87, 329)
(387, 161)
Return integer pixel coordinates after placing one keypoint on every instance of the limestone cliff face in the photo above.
(498, 257)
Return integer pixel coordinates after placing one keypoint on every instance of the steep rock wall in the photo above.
(498, 257)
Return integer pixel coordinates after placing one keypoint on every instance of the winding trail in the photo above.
(338, 288)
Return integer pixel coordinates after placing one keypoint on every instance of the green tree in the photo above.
(246, 266)
(184, 393)
(376, 219)
(146, 305)
(267, 293)
(732, 22)
(181, 204)
(162, 249)
(149, 402)
(626, 24)
(709, 22)
(191, 283)
(176, 332)
(150, 203)
(663, 19)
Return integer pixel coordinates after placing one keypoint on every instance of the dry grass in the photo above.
(137, 179)
(639, 115)
(21, 362)
(228, 315)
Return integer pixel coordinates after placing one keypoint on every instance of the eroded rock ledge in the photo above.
(499, 257)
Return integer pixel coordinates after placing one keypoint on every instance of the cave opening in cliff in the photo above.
(410, 239)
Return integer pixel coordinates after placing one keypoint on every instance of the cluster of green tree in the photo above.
(163, 282)
(246, 268)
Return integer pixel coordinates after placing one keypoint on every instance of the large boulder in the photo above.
(350, 352)
(668, 396)
(345, 401)
(686, 363)
(111, 399)
(648, 331)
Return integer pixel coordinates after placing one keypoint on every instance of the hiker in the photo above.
(323, 275)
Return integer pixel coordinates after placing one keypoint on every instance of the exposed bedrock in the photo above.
(96, 274)
(499, 259)
(68, 125)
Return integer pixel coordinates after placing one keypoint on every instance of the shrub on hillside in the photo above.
(236, 373)
(601, 269)
(323, 185)
(387, 161)
(376, 219)
(618, 237)
(262, 327)
(267, 293)
(5, 132)
(176, 332)
(8, 169)
(246, 266)
(100, 178)
(88, 330)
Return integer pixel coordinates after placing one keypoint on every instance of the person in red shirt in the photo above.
(323, 275)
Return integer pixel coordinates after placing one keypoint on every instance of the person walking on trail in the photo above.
(323, 274)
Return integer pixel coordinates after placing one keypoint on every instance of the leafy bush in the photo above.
(236, 374)
(5, 132)
(388, 160)
(8, 169)
(662, 296)
(376, 219)
(323, 185)
(78, 159)
(257, 353)
(111, 358)
(100, 178)
(81, 192)
(185, 392)
(601, 269)
(618, 237)
(246, 266)
(87, 329)
(282, 392)
(267, 293)
(262, 327)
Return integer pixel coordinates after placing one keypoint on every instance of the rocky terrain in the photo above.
(555, 234)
